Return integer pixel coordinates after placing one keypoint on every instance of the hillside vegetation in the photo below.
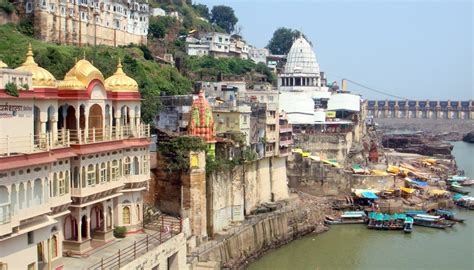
(152, 78)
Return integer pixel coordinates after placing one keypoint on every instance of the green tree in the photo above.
(282, 40)
(224, 17)
(202, 10)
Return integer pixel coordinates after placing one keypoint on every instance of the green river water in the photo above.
(356, 247)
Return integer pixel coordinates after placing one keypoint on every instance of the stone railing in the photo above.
(14, 145)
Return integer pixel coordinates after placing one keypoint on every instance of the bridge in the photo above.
(421, 109)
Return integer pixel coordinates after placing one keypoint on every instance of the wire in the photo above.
(367, 87)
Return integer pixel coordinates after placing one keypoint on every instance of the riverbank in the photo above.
(356, 247)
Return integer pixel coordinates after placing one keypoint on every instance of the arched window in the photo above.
(62, 183)
(138, 212)
(67, 183)
(29, 194)
(126, 165)
(103, 173)
(4, 205)
(55, 185)
(54, 246)
(90, 175)
(22, 196)
(136, 166)
(83, 177)
(115, 170)
(126, 215)
(14, 199)
(37, 192)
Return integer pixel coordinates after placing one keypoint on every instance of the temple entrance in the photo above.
(97, 218)
(95, 122)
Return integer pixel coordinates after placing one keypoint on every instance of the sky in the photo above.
(412, 49)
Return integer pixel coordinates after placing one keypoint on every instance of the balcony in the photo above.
(285, 128)
(105, 187)
(16, 145)
(286, 141)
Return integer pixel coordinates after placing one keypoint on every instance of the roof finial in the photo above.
(119, 67)
(29, 57)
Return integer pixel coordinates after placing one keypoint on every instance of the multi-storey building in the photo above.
(74, 161)
(218, 45)
(92, 22)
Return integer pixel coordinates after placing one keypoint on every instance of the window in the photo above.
(102, 174)
(127, 166)
(273, 114)
(55, 185)
(31, 238)
(126, 215)
(115, 170)
(270, 98)
(90, 175)
(54, 246)
(146, 165)
(272, 127)
(62, 186)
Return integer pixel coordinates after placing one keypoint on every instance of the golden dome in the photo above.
(3, 65)
(120, 82)
(79, 76)
(41, 77)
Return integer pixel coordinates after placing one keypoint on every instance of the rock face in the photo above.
(469, 138)
(420, 143)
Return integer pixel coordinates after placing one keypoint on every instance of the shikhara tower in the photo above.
(298, 82)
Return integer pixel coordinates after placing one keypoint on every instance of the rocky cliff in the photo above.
(469, 137)
(420, 143)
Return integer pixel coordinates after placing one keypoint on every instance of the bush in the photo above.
(7, 6)
(25, 26)
(120, 232)
(11, 89)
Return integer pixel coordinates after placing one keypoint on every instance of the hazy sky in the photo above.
(413, 49)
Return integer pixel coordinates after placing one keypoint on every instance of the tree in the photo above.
(282, 40)
(202, 10)
(224, 17)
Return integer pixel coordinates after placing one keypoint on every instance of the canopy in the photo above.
(393, 169)
(298, 150)
(378, 172)
(457, 196)
(387, 217)
(332, 162)
(407, 190)
(457, 178)
(359, 169)
(418, 183)
(369, 195)
(409, 220)
(438, 192)
(315, 158)
(379, 216)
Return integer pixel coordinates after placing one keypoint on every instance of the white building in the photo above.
(259, 55)
(217, 45)
(74, 162)
(158, 12)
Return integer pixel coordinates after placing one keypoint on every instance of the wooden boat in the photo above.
(408, 225)
(465, 201)
(371, 217)
(347, 218)
(431, 221)
(458, 189)
(467, 183)
(412, 213)
(446, 215)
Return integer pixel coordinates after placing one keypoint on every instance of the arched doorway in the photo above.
(126, 215)
(50, 119)
(84, 227)
(70, 228)
(95, 122)
(97, 218)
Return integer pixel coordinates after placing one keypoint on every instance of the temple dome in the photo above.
(79, 76)
(41, 78)
(3, 64)
(301, 58)
(120, 82)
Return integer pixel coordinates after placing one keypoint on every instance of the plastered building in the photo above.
(89, 22)
(74, 161)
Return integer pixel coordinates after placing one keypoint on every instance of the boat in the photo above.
(465, 201)
(379, 221)
(431, 221)
(372, 216)
(446, 215)
(457, 178)
(357, 217)
(408, 225)
(467, 183)
(412, 213)
(457, 189)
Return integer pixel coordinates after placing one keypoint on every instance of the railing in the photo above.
(10, 145)
(5, 214)
(132, 252)
(82, 136)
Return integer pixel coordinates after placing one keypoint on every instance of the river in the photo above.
(356, 247)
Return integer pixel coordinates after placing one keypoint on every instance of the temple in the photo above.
(74, 161)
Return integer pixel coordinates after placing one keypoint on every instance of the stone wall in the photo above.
(8, 18)
(331, 146)
(169, 255)
(233, 193)
(71, 31)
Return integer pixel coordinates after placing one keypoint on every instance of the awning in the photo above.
(378, 172)
(418, 183)
(332, 162)
(315, 158)
(457, 196)
(369, 195)
(407, 190)
(438, 192)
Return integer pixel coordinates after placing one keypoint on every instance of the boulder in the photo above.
(469, 138)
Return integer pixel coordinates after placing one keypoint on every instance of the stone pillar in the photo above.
(54, 125)
(88, 226)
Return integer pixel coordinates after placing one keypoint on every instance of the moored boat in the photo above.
(347, 218)
(465, 201)
(458, 189)
(467, 183)
(408, 225)
(431, 221)
(446, 214)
